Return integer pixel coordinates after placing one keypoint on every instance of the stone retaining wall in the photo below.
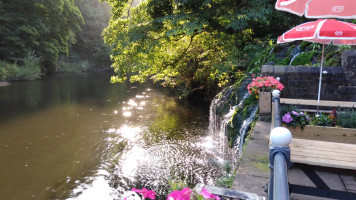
(302, 82)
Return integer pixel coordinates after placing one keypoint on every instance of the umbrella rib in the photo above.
(317, 31)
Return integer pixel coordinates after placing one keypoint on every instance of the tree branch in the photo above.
(181, 56)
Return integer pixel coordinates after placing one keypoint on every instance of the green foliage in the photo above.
(303, 45)
(285, 61)
(7, 70)
(89, 42)
(347, 119)
(288, 108)
(69, 67)
(176, 184)
(41, 26)
(321, 120)
(304, 58)
(227, 179)
(29, 70)
(190, 43)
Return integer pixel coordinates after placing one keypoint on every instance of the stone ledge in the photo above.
(234, 194)
(268, 69)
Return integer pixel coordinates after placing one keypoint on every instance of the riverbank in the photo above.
(4, 83)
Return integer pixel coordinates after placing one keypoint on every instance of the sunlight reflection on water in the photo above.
(83, 138)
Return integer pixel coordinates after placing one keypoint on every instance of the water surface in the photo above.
(80, 137)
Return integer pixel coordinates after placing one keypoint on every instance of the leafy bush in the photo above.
(304, 58)
(67, 67)
(31, 68)
(347, 119)
(2, 74)
(8, 71)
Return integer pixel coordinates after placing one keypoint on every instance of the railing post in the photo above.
(279, 155)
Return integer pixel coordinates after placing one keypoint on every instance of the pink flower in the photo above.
(264, 84)
(146, 193)
(206, 194)
(183, 194)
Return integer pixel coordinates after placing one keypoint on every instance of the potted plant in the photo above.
(331, 127)
(261, 88)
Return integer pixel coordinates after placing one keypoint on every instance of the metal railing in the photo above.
(279, 160)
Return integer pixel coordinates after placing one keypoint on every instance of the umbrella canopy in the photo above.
(324, 31)
(345, 9)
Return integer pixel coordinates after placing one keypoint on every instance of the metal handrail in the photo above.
(279, 161)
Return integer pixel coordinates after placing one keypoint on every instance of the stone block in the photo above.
(347, 90)
(329, 70)
(302, 90)
(346, 56)
(337, 81)
(267, 69)
(279, 70)
(348, 97)
(290, 70)
(302, 70)
(338, 72)
(351, 82)
(332, 89)
(283, 79)
(314, 70)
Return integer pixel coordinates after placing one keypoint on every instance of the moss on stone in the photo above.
(285, 61)
(261, 163)
(304, 58)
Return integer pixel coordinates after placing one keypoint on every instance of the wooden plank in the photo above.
(345, 104)
(322, 144)
(323, 162)
(323, 153)
(346, 156)
(330, 134)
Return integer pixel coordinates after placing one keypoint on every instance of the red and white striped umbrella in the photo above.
(324, 31)
(345, 9)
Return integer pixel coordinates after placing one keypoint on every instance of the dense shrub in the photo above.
(69, 67)
(30, 69)
(347, 119)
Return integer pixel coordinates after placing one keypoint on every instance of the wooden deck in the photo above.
(321, 153)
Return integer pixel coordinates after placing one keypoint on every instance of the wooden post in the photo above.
(264, 103)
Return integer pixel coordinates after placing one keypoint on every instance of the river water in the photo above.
(80, 137)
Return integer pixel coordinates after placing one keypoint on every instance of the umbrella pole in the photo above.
(321, 73)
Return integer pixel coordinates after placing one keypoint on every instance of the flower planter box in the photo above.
(321, 133)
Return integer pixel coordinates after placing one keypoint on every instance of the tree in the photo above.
(195, 43)
(46, 27)
(90, 44)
